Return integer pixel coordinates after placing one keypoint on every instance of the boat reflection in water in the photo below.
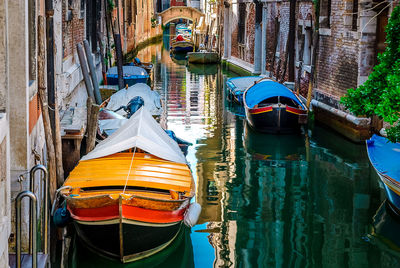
(202, 69)
(178, 254)
(179, 58)
(385, 234)
(273, 147)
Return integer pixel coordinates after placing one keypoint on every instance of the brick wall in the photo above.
(73, 28)
(337, 65)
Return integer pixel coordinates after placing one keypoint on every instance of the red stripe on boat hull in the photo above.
(261, 110)
(128, 212)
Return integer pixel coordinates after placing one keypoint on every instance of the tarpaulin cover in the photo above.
(143, 132)
(108, 124)
(268, 89)
(239, 84)
(129, 71)
(152, 101)
(384, 156)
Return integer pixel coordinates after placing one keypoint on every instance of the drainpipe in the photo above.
(50, 61)
(226, 29)
(258, 37)
(264, 39)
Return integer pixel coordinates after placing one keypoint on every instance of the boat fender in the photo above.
(192, 214)
(62, 217)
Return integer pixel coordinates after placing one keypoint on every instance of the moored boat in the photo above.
(132, 75)
(129, 197)
(182, 46)
(273, 108)
(238, 85)
(148, 66)
(203, 57)
(385, 158)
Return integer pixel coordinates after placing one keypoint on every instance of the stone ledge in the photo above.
(248, 67)
(354, 128)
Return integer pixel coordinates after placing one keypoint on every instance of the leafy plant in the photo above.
(380, 94)
(111, 5)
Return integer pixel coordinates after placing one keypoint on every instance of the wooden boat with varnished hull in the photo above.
(273, 108)
(130, 204)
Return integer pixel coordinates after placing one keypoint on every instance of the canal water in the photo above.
(309, 200)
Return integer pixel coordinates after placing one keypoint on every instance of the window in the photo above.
(355, 16)
(325, 16)
(278, 39)
(82, 9)
(307, 46)
(241, 23)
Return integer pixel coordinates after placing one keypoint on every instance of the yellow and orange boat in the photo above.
(129, 196)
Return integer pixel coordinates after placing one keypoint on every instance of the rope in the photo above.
(134, 151)
(129, 172)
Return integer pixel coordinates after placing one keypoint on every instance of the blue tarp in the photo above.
(384, 156)
(129, 71)
(268, 89)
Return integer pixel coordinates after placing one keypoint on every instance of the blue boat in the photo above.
(148, 66)
(385, 158)
(132, 75)
(237, 86)
(273, 108)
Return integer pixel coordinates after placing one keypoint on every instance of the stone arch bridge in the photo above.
(180, 12)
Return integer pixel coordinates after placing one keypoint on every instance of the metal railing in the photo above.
(45, 220)
(33, 216)
(32, 223)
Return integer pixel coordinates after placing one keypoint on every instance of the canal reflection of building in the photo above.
(384, 233)
(284, 211)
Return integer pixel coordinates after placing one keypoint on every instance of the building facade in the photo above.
(351, 34)
(22, 137)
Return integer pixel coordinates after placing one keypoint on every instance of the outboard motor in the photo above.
(133, 105)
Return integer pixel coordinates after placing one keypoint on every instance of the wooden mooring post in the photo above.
(51, 156)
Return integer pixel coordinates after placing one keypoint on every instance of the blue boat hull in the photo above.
(393, 198)
(385, 158)
(113, 80)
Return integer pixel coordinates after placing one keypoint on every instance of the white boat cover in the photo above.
(109, 124)
(151, 98)
(143, 132)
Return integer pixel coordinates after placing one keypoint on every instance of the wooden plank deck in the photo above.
(42, 260)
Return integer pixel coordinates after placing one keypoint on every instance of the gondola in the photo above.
(129, 197)
(385, 158)
(273, 108)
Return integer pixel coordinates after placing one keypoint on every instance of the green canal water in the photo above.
(309, 200)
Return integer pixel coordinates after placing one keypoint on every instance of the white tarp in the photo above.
(109, 124)
(143, 132)
(151, 98)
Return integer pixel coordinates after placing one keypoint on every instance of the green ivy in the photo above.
(380, 94)
(111, 5)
